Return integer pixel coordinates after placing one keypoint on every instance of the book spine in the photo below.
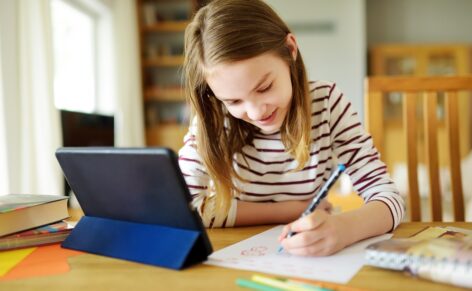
(18, 242)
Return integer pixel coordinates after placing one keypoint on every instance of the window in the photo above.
(80, 81)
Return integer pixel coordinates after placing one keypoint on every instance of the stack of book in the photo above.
(32, 220)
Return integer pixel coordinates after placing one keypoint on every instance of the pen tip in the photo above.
(342, 167)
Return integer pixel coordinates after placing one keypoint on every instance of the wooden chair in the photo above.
(428, 88)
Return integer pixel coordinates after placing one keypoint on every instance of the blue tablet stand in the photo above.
(151, 244)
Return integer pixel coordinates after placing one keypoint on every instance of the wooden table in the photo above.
(91, 272)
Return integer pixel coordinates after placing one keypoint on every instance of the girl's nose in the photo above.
(256, 111)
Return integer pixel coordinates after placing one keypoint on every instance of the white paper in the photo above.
(259, 253)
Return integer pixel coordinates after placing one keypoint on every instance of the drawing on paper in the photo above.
(255, 251)
(259, 253)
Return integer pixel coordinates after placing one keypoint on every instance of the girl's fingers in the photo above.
(310, 222)
(326, 205)
(329, 207)
(316, 249)
(302, 240)
(307, 222)
(284, 232)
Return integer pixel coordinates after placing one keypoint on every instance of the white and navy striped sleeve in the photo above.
(199, 183)
(354, 147)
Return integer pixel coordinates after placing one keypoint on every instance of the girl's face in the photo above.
(257, 90)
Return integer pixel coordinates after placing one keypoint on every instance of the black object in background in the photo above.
(85, 130)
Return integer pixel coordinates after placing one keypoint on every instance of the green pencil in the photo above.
(254, 285)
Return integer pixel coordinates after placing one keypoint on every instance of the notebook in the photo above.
(48, 234)
(446, 258)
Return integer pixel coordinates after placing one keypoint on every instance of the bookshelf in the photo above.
(161, 25)
(421, 60)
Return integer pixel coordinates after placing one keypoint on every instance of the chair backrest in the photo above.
(411, 89)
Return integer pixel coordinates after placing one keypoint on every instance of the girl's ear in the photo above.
(292, 45)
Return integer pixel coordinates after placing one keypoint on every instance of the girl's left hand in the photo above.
(317, 234)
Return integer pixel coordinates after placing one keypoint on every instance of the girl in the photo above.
(263, 139)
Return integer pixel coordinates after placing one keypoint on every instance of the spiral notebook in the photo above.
(446, 257)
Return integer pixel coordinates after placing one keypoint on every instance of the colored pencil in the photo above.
(283, 284)
(308, 284)
(254, 285)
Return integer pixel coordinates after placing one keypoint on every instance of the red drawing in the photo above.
(254, 251)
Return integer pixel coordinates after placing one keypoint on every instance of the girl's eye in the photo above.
(265, 89)
(233, 102)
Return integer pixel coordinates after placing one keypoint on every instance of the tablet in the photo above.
(143, 185)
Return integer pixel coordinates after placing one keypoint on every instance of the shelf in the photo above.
(161, 27)
(166, 26)
(420, 60)
(397, 123)
(167, 61)
(164, 94)
(166, 135)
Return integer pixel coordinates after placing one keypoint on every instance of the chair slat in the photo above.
(452, 123)
(409, 119)
(418, 84)
(374, 119)
(431, 144)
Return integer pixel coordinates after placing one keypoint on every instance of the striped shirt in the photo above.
(337, 137)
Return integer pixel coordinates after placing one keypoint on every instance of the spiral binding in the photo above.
(456, 269)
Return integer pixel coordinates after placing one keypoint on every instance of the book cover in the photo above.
(47, 234)
(20, 212)
(446, 259)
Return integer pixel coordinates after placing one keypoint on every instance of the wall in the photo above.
(331, 36)
(419, 21)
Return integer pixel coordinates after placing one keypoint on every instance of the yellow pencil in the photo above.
(278, 283)
(299, 284)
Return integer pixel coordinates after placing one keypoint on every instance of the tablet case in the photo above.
(136, 205)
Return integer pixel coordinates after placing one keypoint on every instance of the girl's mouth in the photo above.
(268, 119)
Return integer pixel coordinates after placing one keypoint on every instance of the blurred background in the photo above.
(107, 72)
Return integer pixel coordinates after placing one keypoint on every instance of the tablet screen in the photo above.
(143, 185)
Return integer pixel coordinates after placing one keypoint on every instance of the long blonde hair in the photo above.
(226, 31)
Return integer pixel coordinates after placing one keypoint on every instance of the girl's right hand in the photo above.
(317, 234)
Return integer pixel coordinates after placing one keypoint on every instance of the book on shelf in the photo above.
(20, 212)
(48, 234)
(439, 254)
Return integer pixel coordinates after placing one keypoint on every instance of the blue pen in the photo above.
(320, 196)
